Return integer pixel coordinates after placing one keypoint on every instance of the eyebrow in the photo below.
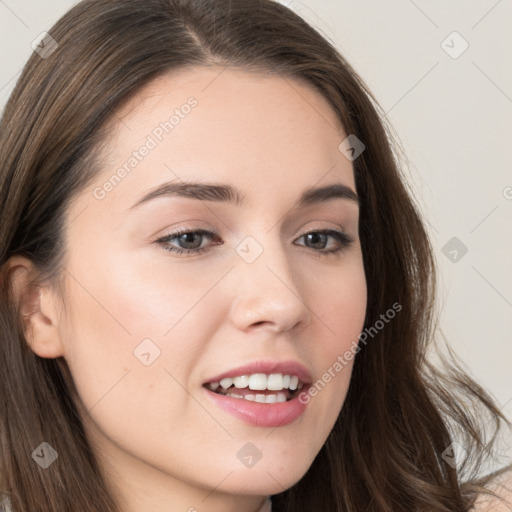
(221, 192)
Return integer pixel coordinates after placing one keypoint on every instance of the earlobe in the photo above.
(37, 306)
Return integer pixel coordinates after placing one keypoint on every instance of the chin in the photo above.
(265, 480)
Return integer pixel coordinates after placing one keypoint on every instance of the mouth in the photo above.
(259, 387)
(262, 393)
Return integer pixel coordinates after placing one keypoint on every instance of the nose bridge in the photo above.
(267, 290)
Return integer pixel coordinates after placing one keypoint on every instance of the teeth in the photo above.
(226, 383)
(241, 382)
(275, 382)
(272, 382)
(259, 382)
(262, 399)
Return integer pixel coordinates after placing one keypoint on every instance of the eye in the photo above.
(318, 239)
(191, 241)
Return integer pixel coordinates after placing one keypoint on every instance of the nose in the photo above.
(268, 294)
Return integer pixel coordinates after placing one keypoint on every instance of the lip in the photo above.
(285, 367)
(277, 414)
(263, 415)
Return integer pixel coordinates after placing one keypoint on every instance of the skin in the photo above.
(165, 446)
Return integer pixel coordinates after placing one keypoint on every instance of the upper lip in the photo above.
(268, 367)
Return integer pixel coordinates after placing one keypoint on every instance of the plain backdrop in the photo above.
(441, 71)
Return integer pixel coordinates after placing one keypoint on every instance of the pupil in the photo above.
(186, 239)
(315, 237)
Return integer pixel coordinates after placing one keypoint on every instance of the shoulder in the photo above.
(5, 503)
(502, 486)
(267, 506)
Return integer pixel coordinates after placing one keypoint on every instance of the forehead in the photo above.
(237, 90)
(248, 128)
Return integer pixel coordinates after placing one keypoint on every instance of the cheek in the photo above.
(130, 375)
(340, 305)
(116, 333)
(341, 310)
(136, 321)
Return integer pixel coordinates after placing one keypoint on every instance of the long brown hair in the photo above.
(387, 450)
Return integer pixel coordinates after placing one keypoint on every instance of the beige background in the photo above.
(453, 115)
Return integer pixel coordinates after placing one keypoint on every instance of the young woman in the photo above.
(217, 292)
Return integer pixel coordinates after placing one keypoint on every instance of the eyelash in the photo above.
(344, 239)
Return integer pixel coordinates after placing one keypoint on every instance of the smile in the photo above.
(273, 388)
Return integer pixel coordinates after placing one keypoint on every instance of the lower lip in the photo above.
(276, 414)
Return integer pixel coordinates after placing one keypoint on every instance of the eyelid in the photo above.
(339, 234)
(174, 232)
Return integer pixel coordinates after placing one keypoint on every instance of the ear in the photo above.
(38, 308)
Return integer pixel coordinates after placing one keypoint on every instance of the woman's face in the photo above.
(151, 320)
